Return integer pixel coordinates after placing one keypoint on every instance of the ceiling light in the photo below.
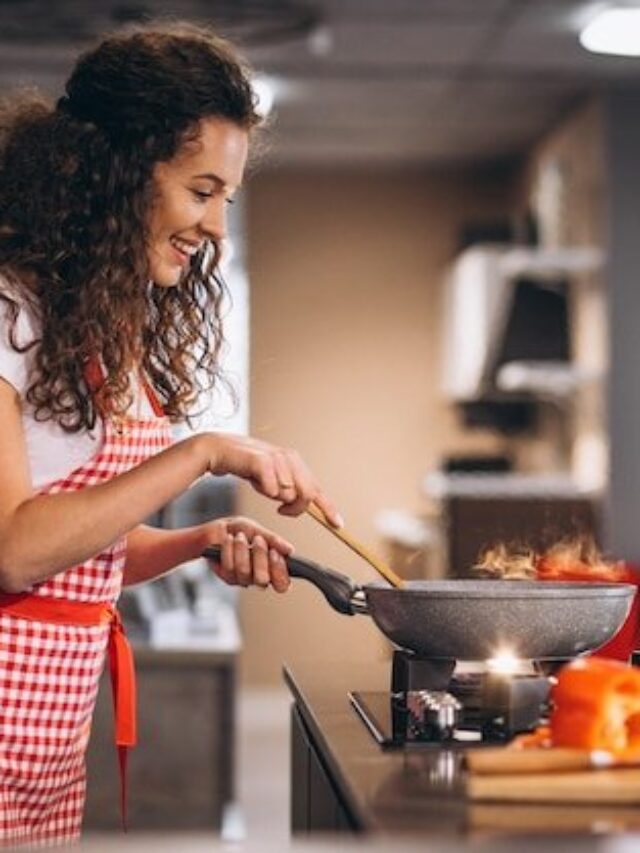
(613, 31)
(320, 41)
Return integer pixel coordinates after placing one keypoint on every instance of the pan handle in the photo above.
(341, 592)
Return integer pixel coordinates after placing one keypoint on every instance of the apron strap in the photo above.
(123, 688)
(94, 376)
(152, 396)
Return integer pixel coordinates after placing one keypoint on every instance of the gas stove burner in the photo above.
(437, 702)
(433, 714)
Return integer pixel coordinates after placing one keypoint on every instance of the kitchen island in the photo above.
(343, 781)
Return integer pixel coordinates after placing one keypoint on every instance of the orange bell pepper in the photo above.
(596, 705)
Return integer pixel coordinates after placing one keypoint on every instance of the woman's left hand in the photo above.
(250, 554)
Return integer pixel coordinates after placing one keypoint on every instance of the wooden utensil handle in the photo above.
(379, 565)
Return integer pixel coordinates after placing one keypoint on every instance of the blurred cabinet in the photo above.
(316, 805)
(181, 773)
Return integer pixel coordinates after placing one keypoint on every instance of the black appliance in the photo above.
(436, 703)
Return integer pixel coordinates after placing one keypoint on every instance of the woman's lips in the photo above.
(182, 257)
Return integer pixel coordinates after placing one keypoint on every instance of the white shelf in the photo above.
(552, 379)
(439, 485)
(478, 297)
(535, 261)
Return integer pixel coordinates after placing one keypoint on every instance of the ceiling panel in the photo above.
(417, 9)
(395, 81)
(500, 100)
(557, 54)
(358, 101)
(405, 43)
(371, 49)
(455, 147)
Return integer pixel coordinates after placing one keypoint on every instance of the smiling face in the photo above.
(191, 193)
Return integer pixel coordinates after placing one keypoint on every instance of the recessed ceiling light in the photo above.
(613, 31)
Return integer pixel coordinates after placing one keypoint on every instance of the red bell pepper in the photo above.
(561, 567)
(596, 705)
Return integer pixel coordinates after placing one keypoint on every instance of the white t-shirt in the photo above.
(52, 452)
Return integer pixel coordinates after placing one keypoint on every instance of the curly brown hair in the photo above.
(75, 191)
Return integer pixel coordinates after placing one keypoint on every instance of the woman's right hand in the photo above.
(250, 554)
(276, 472)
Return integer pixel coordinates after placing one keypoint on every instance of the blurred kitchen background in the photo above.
(434, 288)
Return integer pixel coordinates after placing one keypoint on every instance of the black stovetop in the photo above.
(441, 703)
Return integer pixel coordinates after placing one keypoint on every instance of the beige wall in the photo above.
(346, 278)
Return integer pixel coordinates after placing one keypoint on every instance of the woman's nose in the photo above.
(214, 220)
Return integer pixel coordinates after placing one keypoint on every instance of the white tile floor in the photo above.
(262, 770)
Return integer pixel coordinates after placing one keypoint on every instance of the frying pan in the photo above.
(470, 620)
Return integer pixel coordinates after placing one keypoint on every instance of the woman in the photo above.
(112, 212)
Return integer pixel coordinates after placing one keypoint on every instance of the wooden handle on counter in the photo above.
(500, 761)
(620, 787)
(379, 565)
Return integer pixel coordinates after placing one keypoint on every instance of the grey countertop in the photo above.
(404, 793)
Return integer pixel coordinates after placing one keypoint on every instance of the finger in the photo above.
(280, 580)
(242, 559)
(296, 500)
(224, 569)
(252, 528)
(288, 478)
(293, 471)
(226, 553)
(283, 469)
(329, 509)
(260, 562)
(281, 545)
(264, 477)
(229, 577)
(294, 509)
(303, 478)
(299, 505)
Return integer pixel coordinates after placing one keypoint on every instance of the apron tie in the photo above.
(121, 667)
(123, 688)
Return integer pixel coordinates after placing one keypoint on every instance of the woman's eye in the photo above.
(200, 195)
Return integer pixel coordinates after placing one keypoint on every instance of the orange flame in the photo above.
(574, 559)
(508, 562)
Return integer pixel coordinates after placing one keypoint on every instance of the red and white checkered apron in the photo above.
(49, 672)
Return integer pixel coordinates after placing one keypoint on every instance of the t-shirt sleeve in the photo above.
(14, 365)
